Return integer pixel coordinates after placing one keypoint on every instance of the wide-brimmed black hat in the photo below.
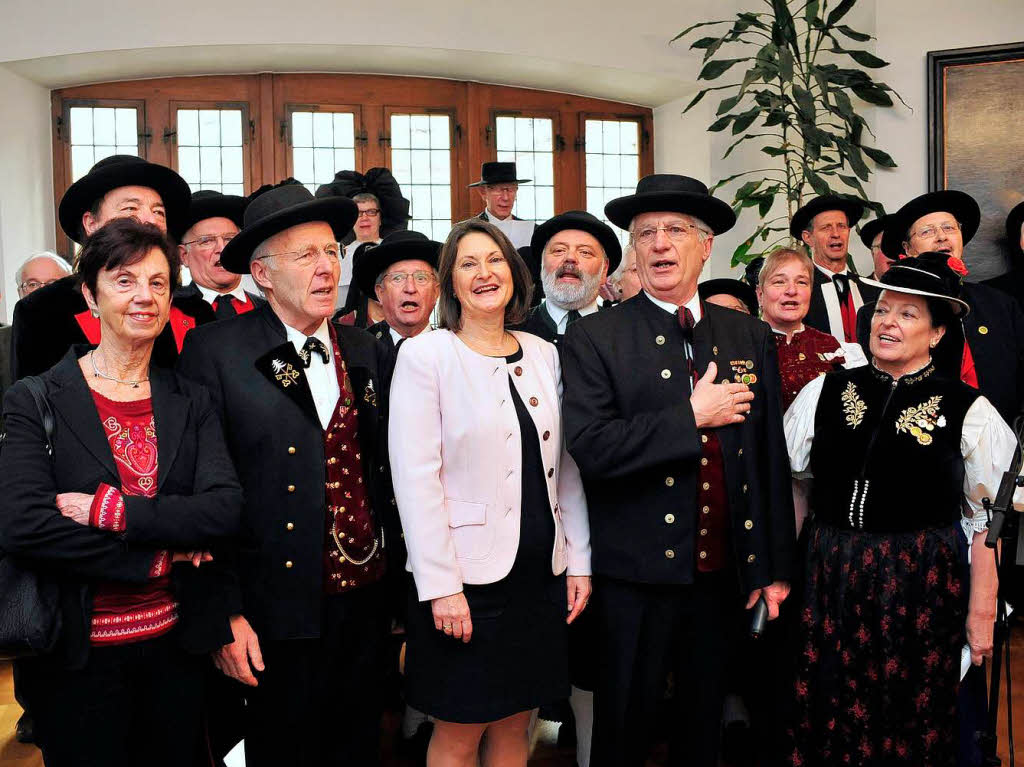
(499, 173)
(586, 222)
(853, 209)
(397, 246)
(671, 193)
(870, 230)
(929, 274)
(381, 183)
(116, 171)
(740, 290)
(277, 210)
(1014, 221)
(207, 203)
(960, 205)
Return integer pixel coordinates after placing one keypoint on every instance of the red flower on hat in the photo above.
(957, 266)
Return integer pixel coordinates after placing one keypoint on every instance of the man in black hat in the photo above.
(577, 252)
(871, 235)
(732, 294)
(302, 402)
(213, 219)
(47, 323)
(672, 412)
(824, 225)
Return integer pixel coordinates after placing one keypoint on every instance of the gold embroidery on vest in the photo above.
(853, 406)
(920, 420)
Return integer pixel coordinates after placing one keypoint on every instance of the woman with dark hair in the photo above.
(901, 454)
(122, 516)
(492, 506)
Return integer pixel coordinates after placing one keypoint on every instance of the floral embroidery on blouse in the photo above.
(853, 406)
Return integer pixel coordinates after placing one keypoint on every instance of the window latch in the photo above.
(169, 135)
(382, 140)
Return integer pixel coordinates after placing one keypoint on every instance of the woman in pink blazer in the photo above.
(492, 507)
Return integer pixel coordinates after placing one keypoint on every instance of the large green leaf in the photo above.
(698, 25)
(872, 94)
(880, 157)
(811, 10)
(818, 184)
(839, 11)
(853, 34)
(704, 42)
(774, 151)
(785, 64)
(700, 94)
(866, 59)
(715, 69)
(745, 120)
(784, 28)
(728, 103)
(721, 123)
(804, 103)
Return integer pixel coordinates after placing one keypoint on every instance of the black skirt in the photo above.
(517, 659)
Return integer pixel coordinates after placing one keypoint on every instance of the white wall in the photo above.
(26, 191)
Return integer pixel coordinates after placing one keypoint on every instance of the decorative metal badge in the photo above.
(853, 406)
(920, 420)
(285, 373)
(369, 394)
(741, 371)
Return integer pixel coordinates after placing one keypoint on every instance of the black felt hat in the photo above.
(1014, 221)
(398, 246)
(281, 208)
(929, 274)
(853, 209)
(394, 208)
(740, 290)
(960, 205)
(870, 230)
(116, 171)
(498, 173)
(671, 193)
(207, 203)
(579, 219)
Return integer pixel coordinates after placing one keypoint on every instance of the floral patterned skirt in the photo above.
(879, 640)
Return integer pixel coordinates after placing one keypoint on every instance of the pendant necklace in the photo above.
(97, 374)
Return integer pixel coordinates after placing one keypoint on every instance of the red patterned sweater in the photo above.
(128, 612)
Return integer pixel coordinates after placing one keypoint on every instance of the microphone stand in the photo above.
(1003, 525)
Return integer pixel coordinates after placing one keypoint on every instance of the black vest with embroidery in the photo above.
(886, 455)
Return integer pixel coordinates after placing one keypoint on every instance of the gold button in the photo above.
(706, 510)
(669, 481)
(518, 370)
(551, 473)
(740, 451)
(534, 401)
(983, 329)
(670, 518)
(726, 381)
(288, 564)
(703, 555)
(704, 532)
(659, 340)
(666, 373)
(714, 350)
(801, 356)
(751, 558)
(290, 526)
(344, 584)
(749, 524)
(547, 435)
(291, 488)
(669, 554)
(704, 438)
(744, 488)
(291, 451)
(703, 461)
(706, 485)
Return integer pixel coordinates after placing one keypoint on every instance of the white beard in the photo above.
(569, 296)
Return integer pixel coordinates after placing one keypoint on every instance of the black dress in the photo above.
(517, 659)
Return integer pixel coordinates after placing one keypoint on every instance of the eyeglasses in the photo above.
(306, 258)
(30, 285)
(398, 279)
(369, 213)
(209, 241)
(930, 232)
(674, 232)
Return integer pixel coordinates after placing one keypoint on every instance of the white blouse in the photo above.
(986, 443)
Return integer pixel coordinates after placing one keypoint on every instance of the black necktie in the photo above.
(842, 287)
(313, 345)
(571, 317)
(223, 307)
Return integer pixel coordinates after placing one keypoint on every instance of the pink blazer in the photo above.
(456, 461)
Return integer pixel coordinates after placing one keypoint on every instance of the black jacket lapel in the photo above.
(72, 403)
(283, 368)
(170, 414)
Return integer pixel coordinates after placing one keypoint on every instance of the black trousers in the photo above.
(318, 703)
(645, 631)
(132, 704)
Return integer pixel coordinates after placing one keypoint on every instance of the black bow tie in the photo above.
(313, 345)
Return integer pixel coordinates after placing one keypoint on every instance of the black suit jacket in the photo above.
(541, 324)
(189, 298)
(5, 362)
(631, 430)
(275, 437)
(817, 314)
(995, 331)
(197, 506)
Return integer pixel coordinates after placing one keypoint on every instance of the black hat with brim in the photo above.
(207, 203)
(671, 193)
(403, 245)
(735, 288)
(870, 230)
(498, 173)
(853, 209)
(1014, 221)
(582, 221)
(282, 208)
(960, 205)
(926, 275)
(114, 172)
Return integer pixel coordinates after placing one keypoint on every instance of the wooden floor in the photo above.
(546, 754)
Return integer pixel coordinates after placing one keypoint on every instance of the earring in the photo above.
(95, 312)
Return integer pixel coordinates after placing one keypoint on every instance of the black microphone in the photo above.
(760, 618)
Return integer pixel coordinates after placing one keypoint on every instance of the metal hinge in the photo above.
(487, 135)
(382, 140)
(146, 137)
(58, 125)
(252, 130)
(580, 144)
(456, 134)
(169, 135)
(361, 137)
(559, 142)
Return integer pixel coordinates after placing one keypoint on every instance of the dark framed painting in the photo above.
(976, 140)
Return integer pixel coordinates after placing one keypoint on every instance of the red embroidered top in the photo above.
(809, 354)
(124, 612)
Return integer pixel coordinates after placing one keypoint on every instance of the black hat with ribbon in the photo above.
(404, 245)
(585, 222)
(739, 290)
(935, 275)
(958, 204)
(498, 173)
(394, 208)
(852, 207)
(671, 193)
(282, 208)
(207, 203)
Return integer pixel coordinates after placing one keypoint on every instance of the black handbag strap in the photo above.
(38, 391)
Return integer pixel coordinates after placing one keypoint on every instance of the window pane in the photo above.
(126, 128)
(322, 144)
(210, 148)
(612, 163)
(421, 163)
(533, 139)
(103, 127)
(81, 125)
(98, 132)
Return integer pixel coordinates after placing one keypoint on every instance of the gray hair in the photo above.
(60, 262)
(703, 230)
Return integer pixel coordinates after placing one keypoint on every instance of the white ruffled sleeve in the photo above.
(987, 445)
(798, 423)
(853, 353)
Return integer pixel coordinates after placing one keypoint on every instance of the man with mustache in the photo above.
(577, 251)
(824, 225)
